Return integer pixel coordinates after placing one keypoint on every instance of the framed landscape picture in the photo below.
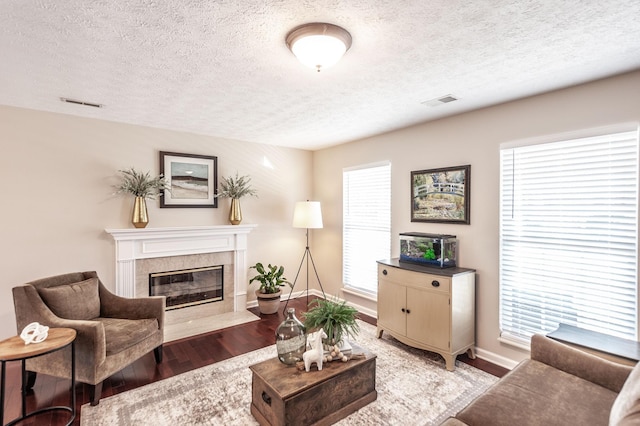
(441, 195)
(193, 180)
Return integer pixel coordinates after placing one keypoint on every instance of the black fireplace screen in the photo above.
(188, 287)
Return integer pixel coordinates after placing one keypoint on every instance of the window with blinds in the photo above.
(366, 224)
(568, 236)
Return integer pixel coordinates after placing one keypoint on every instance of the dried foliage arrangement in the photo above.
(141, 184)
(237, 187)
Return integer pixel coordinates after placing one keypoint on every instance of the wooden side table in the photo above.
(14, 349)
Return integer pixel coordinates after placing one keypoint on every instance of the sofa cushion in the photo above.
(121, 334)
(78, 301)
(535, 393)
(626, 408)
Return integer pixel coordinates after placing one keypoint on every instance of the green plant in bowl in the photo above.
(336, 318)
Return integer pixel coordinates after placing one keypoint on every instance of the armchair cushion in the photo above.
(121, 334)
(78, 301)
(626, 407)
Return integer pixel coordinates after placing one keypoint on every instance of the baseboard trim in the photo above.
(359, 308)
(495, 358)
(283, 298)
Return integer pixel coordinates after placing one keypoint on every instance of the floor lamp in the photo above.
(307, 214)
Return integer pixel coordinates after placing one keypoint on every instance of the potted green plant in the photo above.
(271, 280)
(142, 186)
(236, 188)
(336, 318)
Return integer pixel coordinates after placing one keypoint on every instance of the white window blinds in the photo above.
(568, 235)
(366, 224)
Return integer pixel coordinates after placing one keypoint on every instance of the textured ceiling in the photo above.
(222, 68)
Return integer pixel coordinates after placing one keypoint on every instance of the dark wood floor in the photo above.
(179, 356)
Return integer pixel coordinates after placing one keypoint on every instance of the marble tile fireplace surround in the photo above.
(140, 252)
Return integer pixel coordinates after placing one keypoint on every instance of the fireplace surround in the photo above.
(140, 252)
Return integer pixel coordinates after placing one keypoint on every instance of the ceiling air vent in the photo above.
(77, 102)
(440, 101)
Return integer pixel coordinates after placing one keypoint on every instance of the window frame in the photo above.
(348, 286)
(613, 131)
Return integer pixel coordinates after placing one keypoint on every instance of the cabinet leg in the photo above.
(471, 352)
(379, 332)
(450, 362)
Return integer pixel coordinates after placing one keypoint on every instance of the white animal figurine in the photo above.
(315, 354)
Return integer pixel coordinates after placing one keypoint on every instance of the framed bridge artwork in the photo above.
(441, 195)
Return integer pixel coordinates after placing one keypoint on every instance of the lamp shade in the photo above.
(307, 214)
(319, 45)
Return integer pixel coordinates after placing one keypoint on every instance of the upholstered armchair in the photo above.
(112, 331)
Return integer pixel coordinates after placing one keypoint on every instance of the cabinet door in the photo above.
(428, 320)
(391, 305)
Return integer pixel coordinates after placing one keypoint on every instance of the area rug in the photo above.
(414, 388)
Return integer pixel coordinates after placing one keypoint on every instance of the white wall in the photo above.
(471, 138)
(56, 177)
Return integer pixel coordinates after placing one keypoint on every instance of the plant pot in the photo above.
(268, 303)
(139, 217)
(235, 214)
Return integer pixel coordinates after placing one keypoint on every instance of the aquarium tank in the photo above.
(429, 249)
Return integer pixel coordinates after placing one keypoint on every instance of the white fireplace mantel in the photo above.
(147, 243)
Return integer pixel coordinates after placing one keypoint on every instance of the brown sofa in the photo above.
(112, 331)
(559, 385)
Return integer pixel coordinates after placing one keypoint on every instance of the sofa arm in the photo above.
(113, 306)
(589, 367)
(452, 421)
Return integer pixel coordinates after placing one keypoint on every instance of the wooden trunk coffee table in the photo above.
(283, 395)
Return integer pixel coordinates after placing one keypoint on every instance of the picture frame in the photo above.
(193, 180)
(441, 195)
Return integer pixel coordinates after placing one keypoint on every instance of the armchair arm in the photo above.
(113, 306)
(589, 367)
(90, 338)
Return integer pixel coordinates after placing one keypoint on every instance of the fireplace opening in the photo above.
(188, 287)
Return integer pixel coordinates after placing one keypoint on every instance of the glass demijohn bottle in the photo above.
(291, 339)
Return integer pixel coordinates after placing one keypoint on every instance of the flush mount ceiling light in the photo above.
(318, 45)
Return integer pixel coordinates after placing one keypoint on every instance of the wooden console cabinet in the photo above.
(428, 308)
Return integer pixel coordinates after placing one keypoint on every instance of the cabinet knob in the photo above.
(384, 272)
(435, 283)
(403, 310)
(408, 311)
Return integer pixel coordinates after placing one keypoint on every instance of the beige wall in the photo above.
(472, 138)
(56, 177)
